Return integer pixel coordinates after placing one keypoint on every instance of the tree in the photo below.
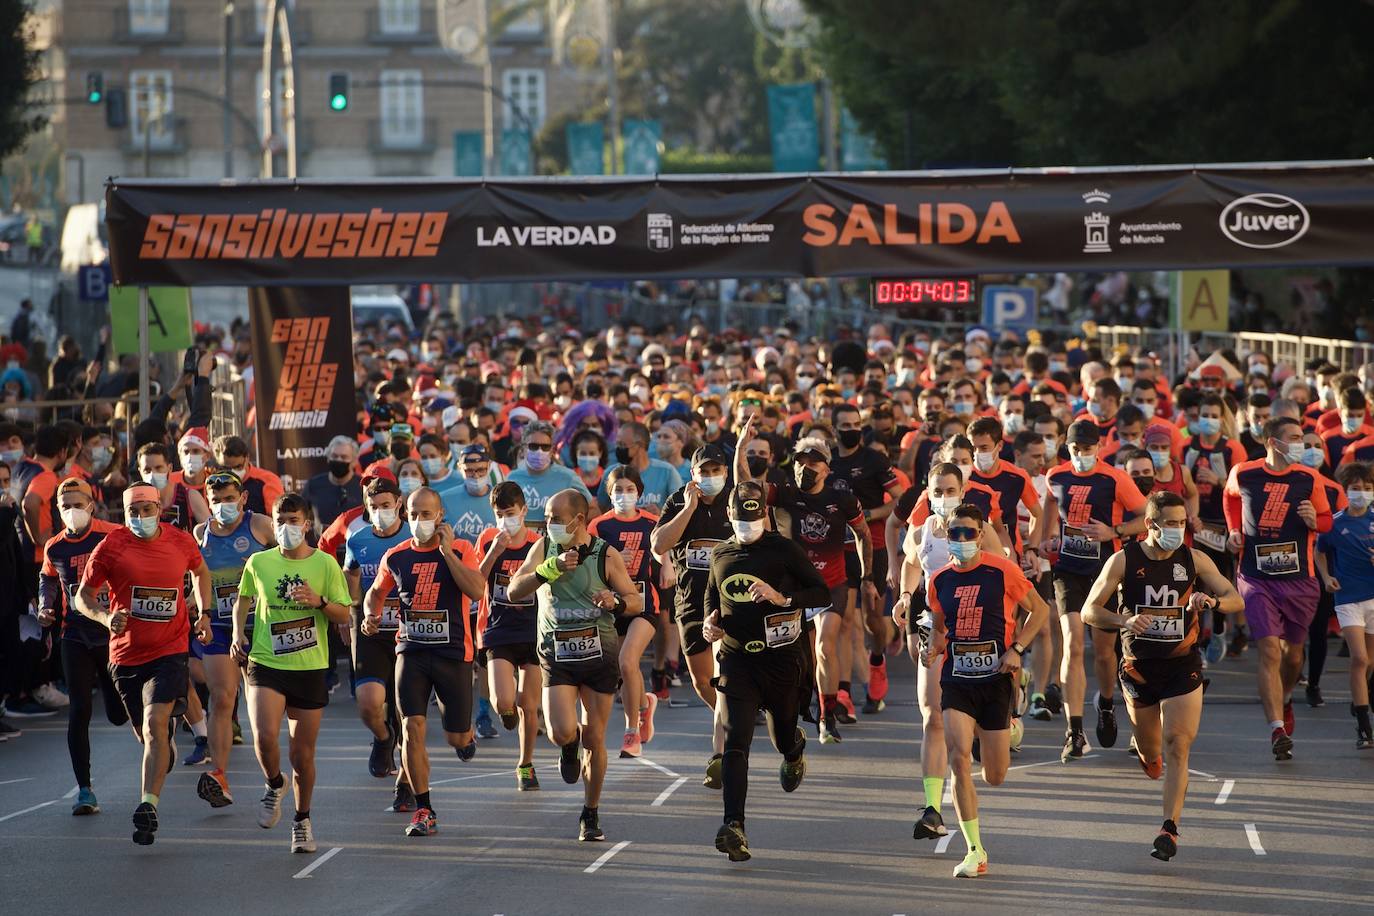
(18, 72)
(1096, 82)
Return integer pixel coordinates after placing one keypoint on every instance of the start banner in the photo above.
(303, 232)
(303, 376)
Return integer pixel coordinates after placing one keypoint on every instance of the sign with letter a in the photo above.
(1204, 299)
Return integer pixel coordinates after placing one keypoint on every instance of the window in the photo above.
(150, 102)
(148, 17)
(403, 124)
(524, 91)
(278, 101)
(400, 17)
(529, 24)
(260, 13)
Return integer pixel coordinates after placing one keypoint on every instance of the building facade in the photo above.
(403, 107)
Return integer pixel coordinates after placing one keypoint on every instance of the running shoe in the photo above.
(844, 709)
(8, 731)
(467, 752)
(930, 826)
(730, 839)
(646, 718)
(877, 682)
(1054, 699)
(269, 808)
(380, 763)
(1237, 646)
(1216, 649)
(423, 823)
(302, 836)
(975, 864)
(171, 751)
(1023, 701)
(658, 683)
(1038, 710)
(630, 745)
(145, 823)
(49, 696)
(403, 800)
(214, 788)
(829, 733)
(1018, 731)
(791, 773)
(1364, 739)
(1281, 745)
(1075, 746)
(525, 779)
(674, 675)
(1106, 723)
(509, 720)
(1288, 721)
(1166, 845)
(873, 706)
(760, 718)
(85, 803)
(713, 777)
(570, 760)
(26, 709)
(589, 827)
(238, 733)
(200, 753)
(1314, 697)
(1153, 768)
(486, 728)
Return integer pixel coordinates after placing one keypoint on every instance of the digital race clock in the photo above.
(932, 291)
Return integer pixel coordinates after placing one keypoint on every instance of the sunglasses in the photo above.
(963, 533)
(221, 479)
(536, 447)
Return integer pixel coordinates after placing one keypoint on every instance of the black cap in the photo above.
(474, 452)
(747, 502)
(710, 453)
(1084, 432)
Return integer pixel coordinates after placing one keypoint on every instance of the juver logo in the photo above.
(1264, 221)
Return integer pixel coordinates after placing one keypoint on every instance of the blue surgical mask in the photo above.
(1160, 459)
(384, 518)
(1256, 430)
(494, 406)
(1207, 426)
(963, 550)
(1313, 457)
(1058, 365)
(156, 481)
(1083, 463)
(588, 463)
(1095, 409)
(476, 486)
(290, 536)
(100, 457)
(711, 486)
(963, 408)
(1359, 499)
(1350, 424)
(1169, 539)
(226, 513)
(143, 527)
(433, 467)
(12, 456)
(1294, 451)
(408, 485)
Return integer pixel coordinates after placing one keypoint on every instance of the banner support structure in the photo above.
(144, 383)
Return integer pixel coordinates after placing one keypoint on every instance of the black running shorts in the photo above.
(986, 700)
(162, 680)
(302, 689)
(419, 672)
(1146, 681)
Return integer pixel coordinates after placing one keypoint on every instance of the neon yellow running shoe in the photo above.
(974, 865)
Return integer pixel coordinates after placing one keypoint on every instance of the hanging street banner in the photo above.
(516, 158)
(303, 378)
(169, 319)
(792, 126)
(859, 152)
(303, 232)
(467, 153)
(640, 139)
(586, 149)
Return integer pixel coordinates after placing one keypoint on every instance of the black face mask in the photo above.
(622, 454)
(339, 468)
(400, 450)
(806, 477)
(850, 438)
(758, 465)
(1145, 483)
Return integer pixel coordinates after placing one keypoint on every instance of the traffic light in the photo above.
(116, 109)
(95, 87)
(338, 91)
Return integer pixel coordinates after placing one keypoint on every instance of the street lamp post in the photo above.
(227, 67)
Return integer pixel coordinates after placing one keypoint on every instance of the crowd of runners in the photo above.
(529, 520)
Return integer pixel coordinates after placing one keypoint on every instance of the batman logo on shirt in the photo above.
(736, 588)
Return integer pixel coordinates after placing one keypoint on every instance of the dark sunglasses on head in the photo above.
(963, 533)
(223, 479)
(537, 447)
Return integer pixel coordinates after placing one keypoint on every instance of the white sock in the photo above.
(1277, 723)
(198, 728)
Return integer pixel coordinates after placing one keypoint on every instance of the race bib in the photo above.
(782, 629)
(1212, 538)
(1077, 544)
(102, 596)
(155, 605)
(974, 659)
(290, 636)
(1166, 624)
(699, 553)
(391, 614)
(500, 592)
(582, 645)
(226, 596)
(427, 626)
(1279, 559)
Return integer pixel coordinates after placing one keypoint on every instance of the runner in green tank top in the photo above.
(580, 590)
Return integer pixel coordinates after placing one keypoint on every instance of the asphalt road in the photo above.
(1257, 836)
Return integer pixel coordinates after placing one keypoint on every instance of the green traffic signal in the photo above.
(95, 87)
(338, 102)
(338, 91)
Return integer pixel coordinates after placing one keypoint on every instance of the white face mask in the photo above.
(966, 470)
(75, 519)
(985, 461)
(511, 523)
(747, 532)
(157, 481)
(384, 518)
(559, 534)
(424, 529)
(711, 486)
(225, 513)
(1148, 410)
(290, 536)
(193, 464)
(944, 505)
(1014, 423)
(624, 503)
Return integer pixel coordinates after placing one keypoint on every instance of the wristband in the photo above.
(548, 570)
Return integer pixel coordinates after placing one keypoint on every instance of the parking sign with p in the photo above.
(1010, 308)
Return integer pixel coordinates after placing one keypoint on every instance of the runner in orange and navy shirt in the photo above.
(1012, 485)
(1088, 499)
(1275, 507)
(627, 528)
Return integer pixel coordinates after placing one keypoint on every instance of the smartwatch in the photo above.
(1018, 648)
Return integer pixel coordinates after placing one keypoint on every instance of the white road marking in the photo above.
(606, 856)
(663, 796)
(949, 791)
(440, 782)
(662, 769)
(28, 809)
(72, 792)
(1253, 835)
(1225, 792)
(305, 872)
(1045, 763)
(1200, 773)
(6, 782)
(943, 843)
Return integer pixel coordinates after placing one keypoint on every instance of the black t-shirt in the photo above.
(925, 454)
(866, 474)
(754, 627)
(819, 522)
(330, 499)
(691, 556)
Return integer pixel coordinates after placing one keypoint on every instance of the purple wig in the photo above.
(578, 414)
